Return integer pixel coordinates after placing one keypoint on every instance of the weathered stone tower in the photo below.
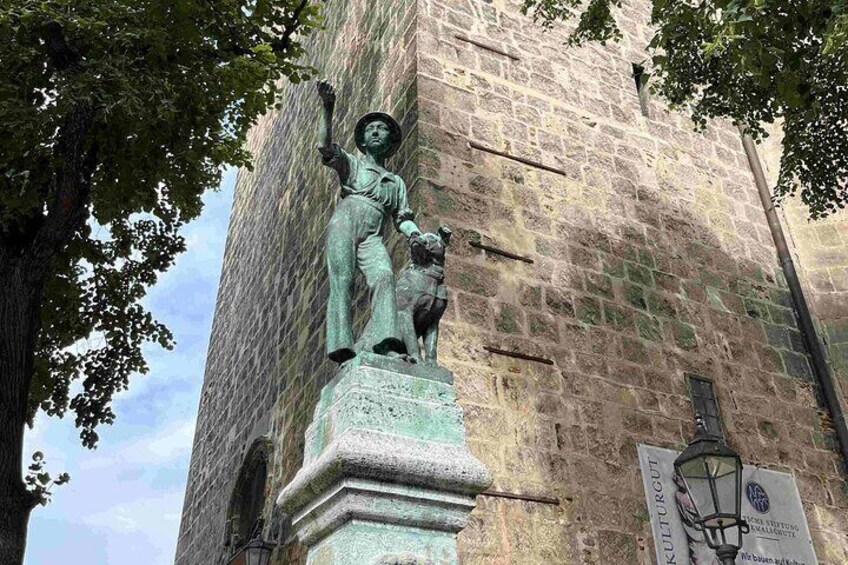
(603, 253)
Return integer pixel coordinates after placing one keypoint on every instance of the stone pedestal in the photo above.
(387, 478)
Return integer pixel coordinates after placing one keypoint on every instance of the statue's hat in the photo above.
(395, 135)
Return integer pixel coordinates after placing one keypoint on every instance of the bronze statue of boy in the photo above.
(369, 196)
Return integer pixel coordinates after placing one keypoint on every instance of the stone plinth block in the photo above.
(387, 478)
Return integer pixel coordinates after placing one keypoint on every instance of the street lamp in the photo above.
(256, 552)
(712, 473)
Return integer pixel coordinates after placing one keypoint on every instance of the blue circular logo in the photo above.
(758, 497)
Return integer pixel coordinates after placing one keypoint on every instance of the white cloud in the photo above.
(165, 446)
(144, 515)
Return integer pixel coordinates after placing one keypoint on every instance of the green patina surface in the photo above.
(356, 520)
(370, 195)
(415, 401)
(367, 543)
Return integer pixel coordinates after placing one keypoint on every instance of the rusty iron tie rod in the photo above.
(524, 497)
(522, 160)
(486, 46)
(517, 355)
(497, 251)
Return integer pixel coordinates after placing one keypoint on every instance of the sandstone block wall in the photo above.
(652, 259)
(643, 255)
(820, 254)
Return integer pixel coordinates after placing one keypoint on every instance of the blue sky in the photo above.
(124, 500)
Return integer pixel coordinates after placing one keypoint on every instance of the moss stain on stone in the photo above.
(649, 328)
(507, 320)
(768, 429)
(684, 336)
(589, 311)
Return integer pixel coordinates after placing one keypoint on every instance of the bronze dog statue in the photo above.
(421, 294)
(421, 297)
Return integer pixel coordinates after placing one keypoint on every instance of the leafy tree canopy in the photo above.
(115, 117)
(755, 62)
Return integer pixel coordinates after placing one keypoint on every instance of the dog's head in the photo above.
(429, 248)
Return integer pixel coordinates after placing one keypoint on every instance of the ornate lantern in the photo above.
(257, 551)
(712, 472)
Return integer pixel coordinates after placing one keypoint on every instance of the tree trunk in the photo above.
(19, 317)
(24, 270)
(14, 520)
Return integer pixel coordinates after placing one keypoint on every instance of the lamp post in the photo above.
(712, 473)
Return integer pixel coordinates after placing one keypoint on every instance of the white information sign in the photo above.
(770, 504)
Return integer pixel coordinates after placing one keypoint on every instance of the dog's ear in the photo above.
(418, 250)
(445, 233)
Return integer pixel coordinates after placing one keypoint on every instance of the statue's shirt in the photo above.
(385, 190)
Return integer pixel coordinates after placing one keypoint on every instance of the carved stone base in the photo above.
(387, 477)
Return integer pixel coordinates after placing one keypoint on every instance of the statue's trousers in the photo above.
(353, 240)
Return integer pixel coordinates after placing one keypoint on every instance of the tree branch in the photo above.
(66, 205)
(284, 42)
(61, 54)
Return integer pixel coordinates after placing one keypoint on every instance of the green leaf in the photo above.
(161, 95)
